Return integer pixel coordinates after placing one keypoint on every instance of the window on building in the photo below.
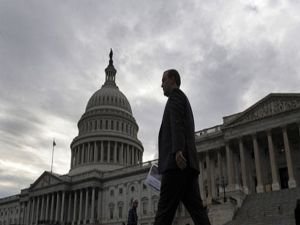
(120, 191)
(132, 189)
(111, 210)
(120, 211)
(111, 213)
(145, 207)
(111, 192)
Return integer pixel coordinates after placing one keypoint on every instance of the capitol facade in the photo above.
(252, 152)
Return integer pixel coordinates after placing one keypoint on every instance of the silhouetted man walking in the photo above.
(178, 161)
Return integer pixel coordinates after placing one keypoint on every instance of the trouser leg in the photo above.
(193, 202)
(171, 188)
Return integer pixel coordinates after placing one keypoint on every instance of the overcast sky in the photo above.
(53, 54)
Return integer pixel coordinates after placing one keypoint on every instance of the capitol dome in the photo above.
(108, 97)
(107, 138)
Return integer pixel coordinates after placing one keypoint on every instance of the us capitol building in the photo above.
(249, 168)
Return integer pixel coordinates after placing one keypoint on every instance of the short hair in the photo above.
(174, 73)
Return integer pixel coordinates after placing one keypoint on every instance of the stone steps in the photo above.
(270, 208)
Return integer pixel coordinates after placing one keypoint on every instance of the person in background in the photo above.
(132, 215)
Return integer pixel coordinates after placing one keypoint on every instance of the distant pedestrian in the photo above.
(132, 215)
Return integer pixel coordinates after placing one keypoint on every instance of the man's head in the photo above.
(170, 80)
(135, 204)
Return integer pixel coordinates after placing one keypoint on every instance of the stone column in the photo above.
(57, 206)
(77, 155)
(42, 217)
(219, 164)
(69, 219)
(243, 166)
(132, 155)
(121, 154)
(275, 183)
(213, 177)
(80, 206)
(75, 208)
(108, 151)
(292, 181)
(95, 152)
(208, 177)
(99, 206)
(62, 208)
(115, 152)
(47, 208)
(229, 166)
(82, 153)
(88, 151)
(37, 211)
(20, 214)
(102, 152)
(92, 220)
(28, 212)
(72, 155)
(52, 207)
(128, 155)
(86, 205)
(220, 172)
(32, 211)
(259, 187)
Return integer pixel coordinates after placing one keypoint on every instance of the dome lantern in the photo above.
(110, 72)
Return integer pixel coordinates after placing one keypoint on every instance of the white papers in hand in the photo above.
(153, 178)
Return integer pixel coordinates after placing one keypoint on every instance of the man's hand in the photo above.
(180, 160)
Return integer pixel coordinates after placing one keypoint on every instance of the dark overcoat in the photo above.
(177, 133)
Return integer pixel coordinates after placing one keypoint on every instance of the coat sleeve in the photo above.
(177, 103)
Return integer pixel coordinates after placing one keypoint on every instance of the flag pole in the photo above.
(53, 144)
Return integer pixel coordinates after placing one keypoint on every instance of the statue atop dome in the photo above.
(111, 55)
